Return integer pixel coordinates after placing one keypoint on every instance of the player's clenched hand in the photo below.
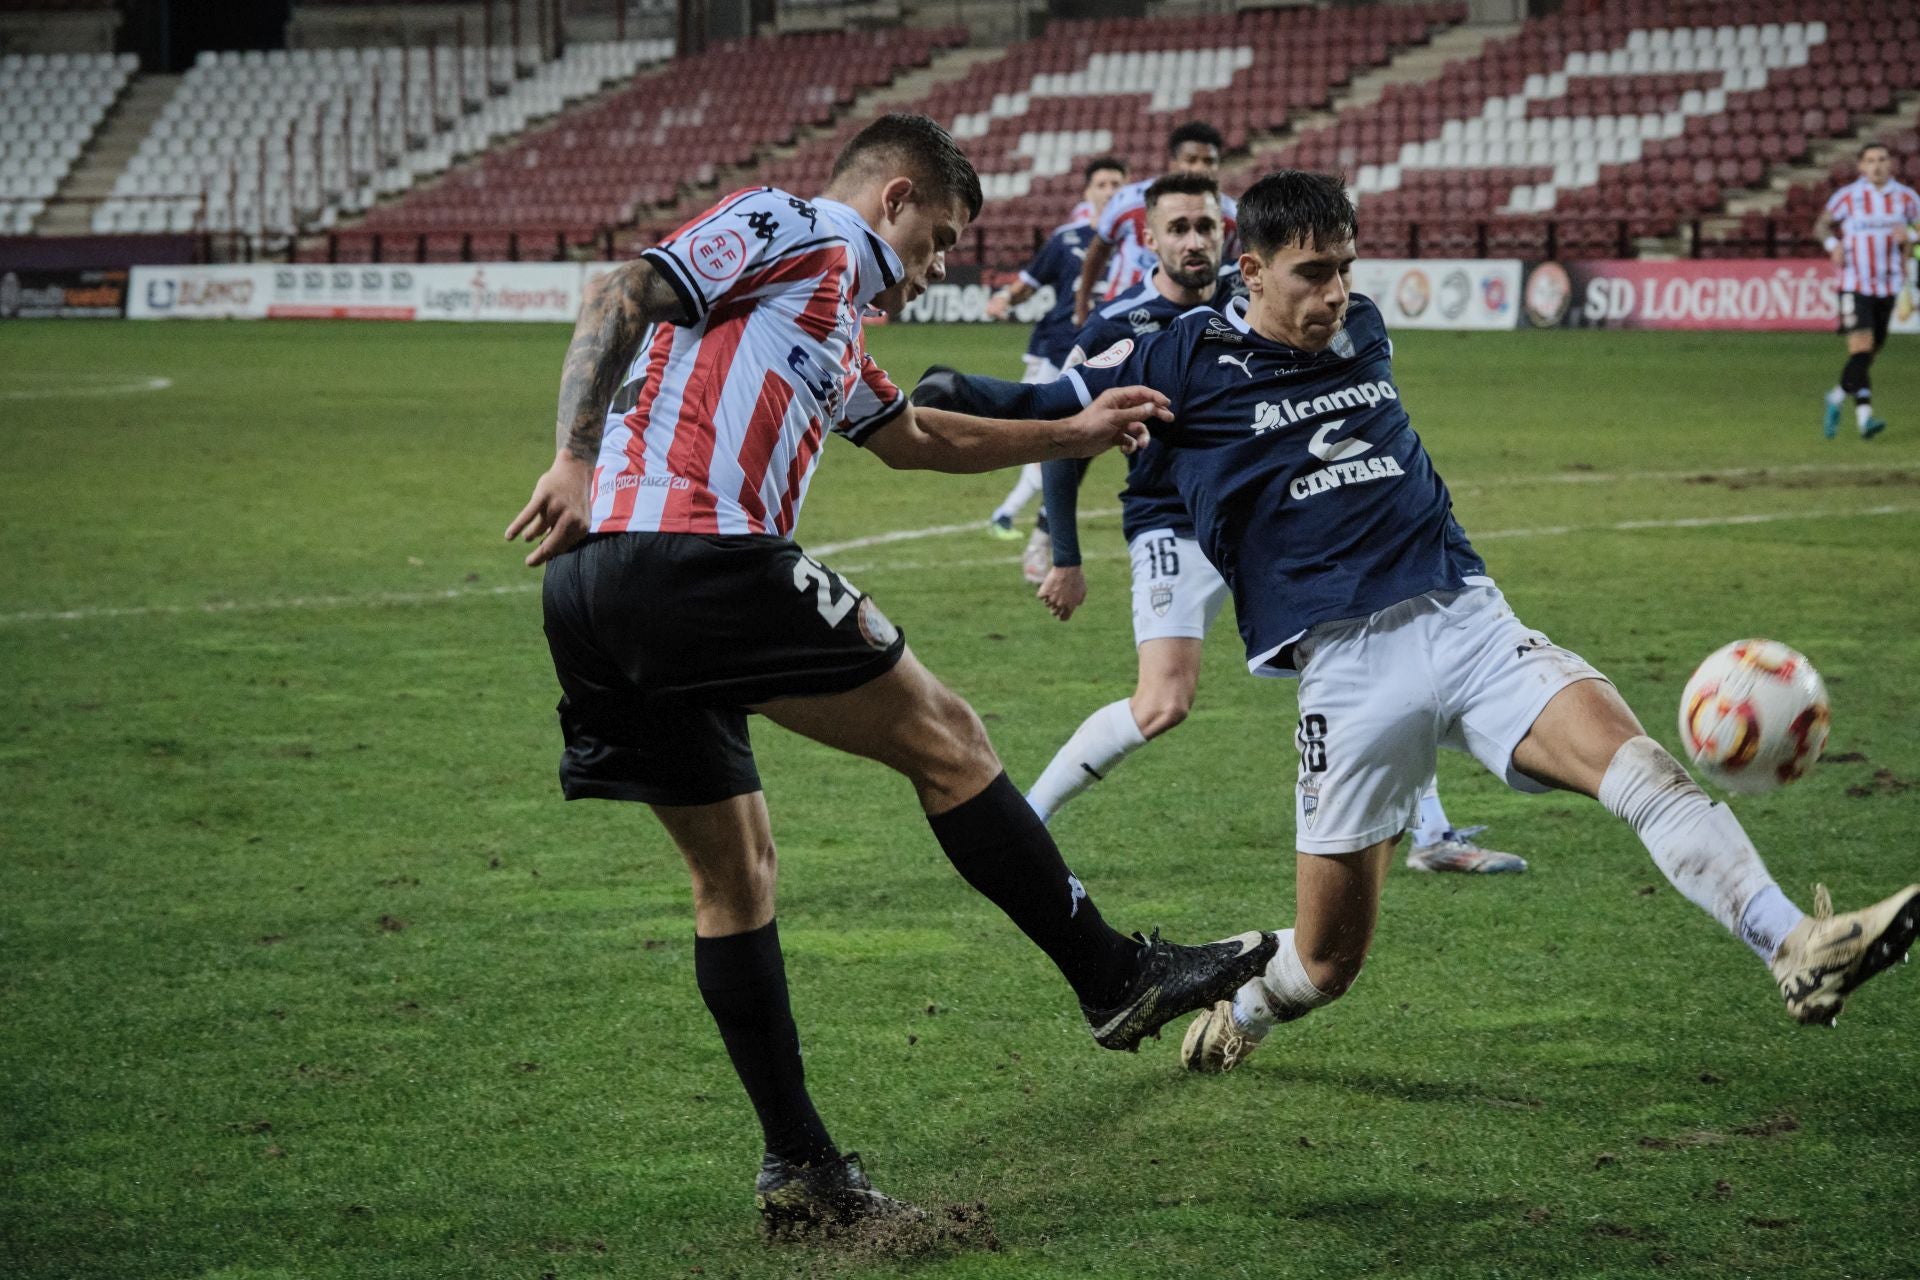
(1118, 418)
(1063, 590)
(556, 515)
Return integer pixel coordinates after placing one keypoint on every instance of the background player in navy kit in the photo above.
(672, 624)
(1317, 501)
(1177, 593)
(1117, 258)
(1055, 266)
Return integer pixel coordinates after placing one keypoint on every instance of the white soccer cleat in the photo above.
(1456, 851)
(1213, 1042)
(1828, 955)
(1038, 557)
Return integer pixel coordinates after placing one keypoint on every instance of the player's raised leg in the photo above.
(909, 721)
(1588, 740)
(1438, 845)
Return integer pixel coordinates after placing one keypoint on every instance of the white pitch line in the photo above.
(106, 389)
(1692, 473)
(390, 598)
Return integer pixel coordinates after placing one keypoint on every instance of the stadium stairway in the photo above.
(1411, 66)
(1814, 179)
(71, 211)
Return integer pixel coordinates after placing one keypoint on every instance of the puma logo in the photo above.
(1242, 361)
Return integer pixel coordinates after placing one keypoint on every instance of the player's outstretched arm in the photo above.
(614, 313)
(928, 439)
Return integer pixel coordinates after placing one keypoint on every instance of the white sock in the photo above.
(1768, 919)
(1836, 396)
(1102, 741)
(1698, 845)
(1862, 411)
(1023, 490)
(1281, 993)
(1433, 825)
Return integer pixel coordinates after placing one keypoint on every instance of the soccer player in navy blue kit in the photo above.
(1316, 500)
(1177, 593)
(1055, 266)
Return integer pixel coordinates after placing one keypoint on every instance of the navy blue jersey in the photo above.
(1228, 286)
(1150, 500)
(1310, 490)
(1057, 264)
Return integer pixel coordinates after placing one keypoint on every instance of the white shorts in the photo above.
(1039, 369)
(1177, 593)
(1380, 695)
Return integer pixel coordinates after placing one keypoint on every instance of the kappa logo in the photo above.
(1243, 362)
(1266, 417)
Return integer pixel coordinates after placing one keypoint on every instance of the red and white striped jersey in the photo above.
(1865, 218)
(719, 424)
(1123, 224)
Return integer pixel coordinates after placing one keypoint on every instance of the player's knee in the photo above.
(735, 882)
(949, 747)
(1334, 966)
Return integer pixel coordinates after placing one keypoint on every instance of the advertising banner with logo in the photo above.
(498, 291)
(200, 293)
(1728, 293)
(62, 295)
(344, 291)
(1442, 293)
(962, 298)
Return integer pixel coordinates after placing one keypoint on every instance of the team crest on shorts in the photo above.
(1162, 600)
(875, 627)
(1309, 803)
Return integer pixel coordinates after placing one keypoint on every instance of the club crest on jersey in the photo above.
(1113, 355)
(1343, 345)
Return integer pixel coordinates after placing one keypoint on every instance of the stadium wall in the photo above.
(1423, 293)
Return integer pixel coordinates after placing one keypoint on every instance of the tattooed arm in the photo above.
(614, 314)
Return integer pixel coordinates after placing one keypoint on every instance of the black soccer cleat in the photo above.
(799, 1200)
(1172, 980)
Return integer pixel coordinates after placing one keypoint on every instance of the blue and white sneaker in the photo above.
(1831, 427)
(1872, 427)
(1456, 851)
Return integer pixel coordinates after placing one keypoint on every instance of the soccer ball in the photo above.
(1754, 716)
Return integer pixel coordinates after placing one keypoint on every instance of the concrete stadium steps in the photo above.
(114, 143)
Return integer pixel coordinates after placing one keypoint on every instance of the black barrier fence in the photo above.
(62, 294)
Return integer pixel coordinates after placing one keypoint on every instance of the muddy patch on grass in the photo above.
(1891, 478)
(833, 1250)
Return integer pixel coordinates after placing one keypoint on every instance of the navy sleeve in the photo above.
(1060, 493)
(1041, 270)
(1155, 360)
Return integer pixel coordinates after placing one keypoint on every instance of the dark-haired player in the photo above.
(1055, 266)
(1118, 258)
(692, 405)
(1866, 228)
(1319, 505)
(1177, 593)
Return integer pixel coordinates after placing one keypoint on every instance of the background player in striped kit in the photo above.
(1866, 228)
(676, 604)
(1117, 258)
(1055, 266)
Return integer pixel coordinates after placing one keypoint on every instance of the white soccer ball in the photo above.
(1754, 716)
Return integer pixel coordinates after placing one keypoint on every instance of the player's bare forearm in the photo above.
(614, 315)
(926, 439)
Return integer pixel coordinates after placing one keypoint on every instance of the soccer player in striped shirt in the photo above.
(1118, 257)
(1866, 228)
(695, 395)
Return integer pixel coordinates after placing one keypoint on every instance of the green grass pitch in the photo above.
(306, 971)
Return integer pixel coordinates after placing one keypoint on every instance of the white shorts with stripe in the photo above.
(1380, 695)
(1177, 593)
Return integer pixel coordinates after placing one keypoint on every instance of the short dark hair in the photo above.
(920, 149)
(1098, 163)
(1182, 184)
(1195, 131)
(1294, 207)
(1872, 146)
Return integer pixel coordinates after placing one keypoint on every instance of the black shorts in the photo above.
(1860, 312)
(663, 640)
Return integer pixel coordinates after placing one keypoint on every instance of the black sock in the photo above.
(744, 982)
(999, 845)
(1854, 378)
